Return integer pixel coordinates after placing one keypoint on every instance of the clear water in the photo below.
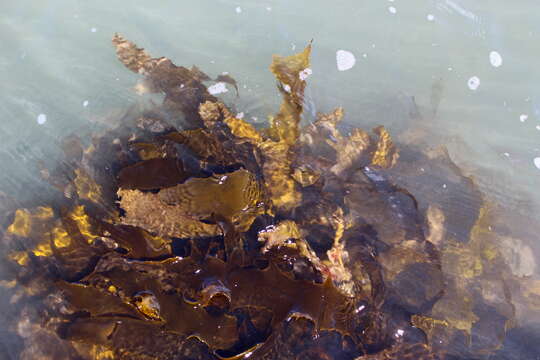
(414, 62)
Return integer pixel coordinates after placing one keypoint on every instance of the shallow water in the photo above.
(57, 57)
(413, 70)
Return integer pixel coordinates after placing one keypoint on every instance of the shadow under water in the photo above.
(186, 233)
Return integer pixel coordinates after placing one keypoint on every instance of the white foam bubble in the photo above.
(345, 60)
(41, 119)
(269, 8)
(473, 83)
(218, 88)
(392, 9)
(240, 115)
(537, 162)
(93, 29)
(538, 127)
(430, 17)
(85, 103)
(304, 74)
(523, 117)
(495, 59)
(238, 9)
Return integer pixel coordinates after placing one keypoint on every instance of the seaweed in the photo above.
(219, 240)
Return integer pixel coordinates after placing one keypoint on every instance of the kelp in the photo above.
(285, 125)
(284, 130)
(235, 196)
(147, 211)
(226, 78)
(386, 154)
(152, 174)
(217, 240)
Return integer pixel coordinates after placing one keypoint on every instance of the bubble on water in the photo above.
(392, 10)
(93, 29)
(41, 119)
(240, 115)
(495, 59)
(238, 9)
(430, 17)
(218, 88)
(304, 74)
(85, 103)
(506, 154)
(473, 83)
(269, 8)
(523, 117)
(538, 127)
(537, 162)
(345, 60)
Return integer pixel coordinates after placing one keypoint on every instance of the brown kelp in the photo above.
(205, 238)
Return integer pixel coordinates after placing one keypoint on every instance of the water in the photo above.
(461, 73)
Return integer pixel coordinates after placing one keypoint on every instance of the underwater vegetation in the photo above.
(187, 233)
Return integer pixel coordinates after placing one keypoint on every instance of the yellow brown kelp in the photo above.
(280, 184)
(234, 196)
(147, 211)
(182, 87)
(288, 71)
(386, 154)
(350, 149)
(214, 240)
(284, 130)
(476, 309)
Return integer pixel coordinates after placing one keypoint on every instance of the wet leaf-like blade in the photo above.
(285, 125)
(386, 154)
(152, 174)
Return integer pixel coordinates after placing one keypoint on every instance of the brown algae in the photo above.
(207, 239)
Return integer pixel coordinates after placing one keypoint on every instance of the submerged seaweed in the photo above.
(216, 240)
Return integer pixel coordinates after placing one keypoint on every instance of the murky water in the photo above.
(458, 73)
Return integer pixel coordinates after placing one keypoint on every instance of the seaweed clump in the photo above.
(202, 237)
